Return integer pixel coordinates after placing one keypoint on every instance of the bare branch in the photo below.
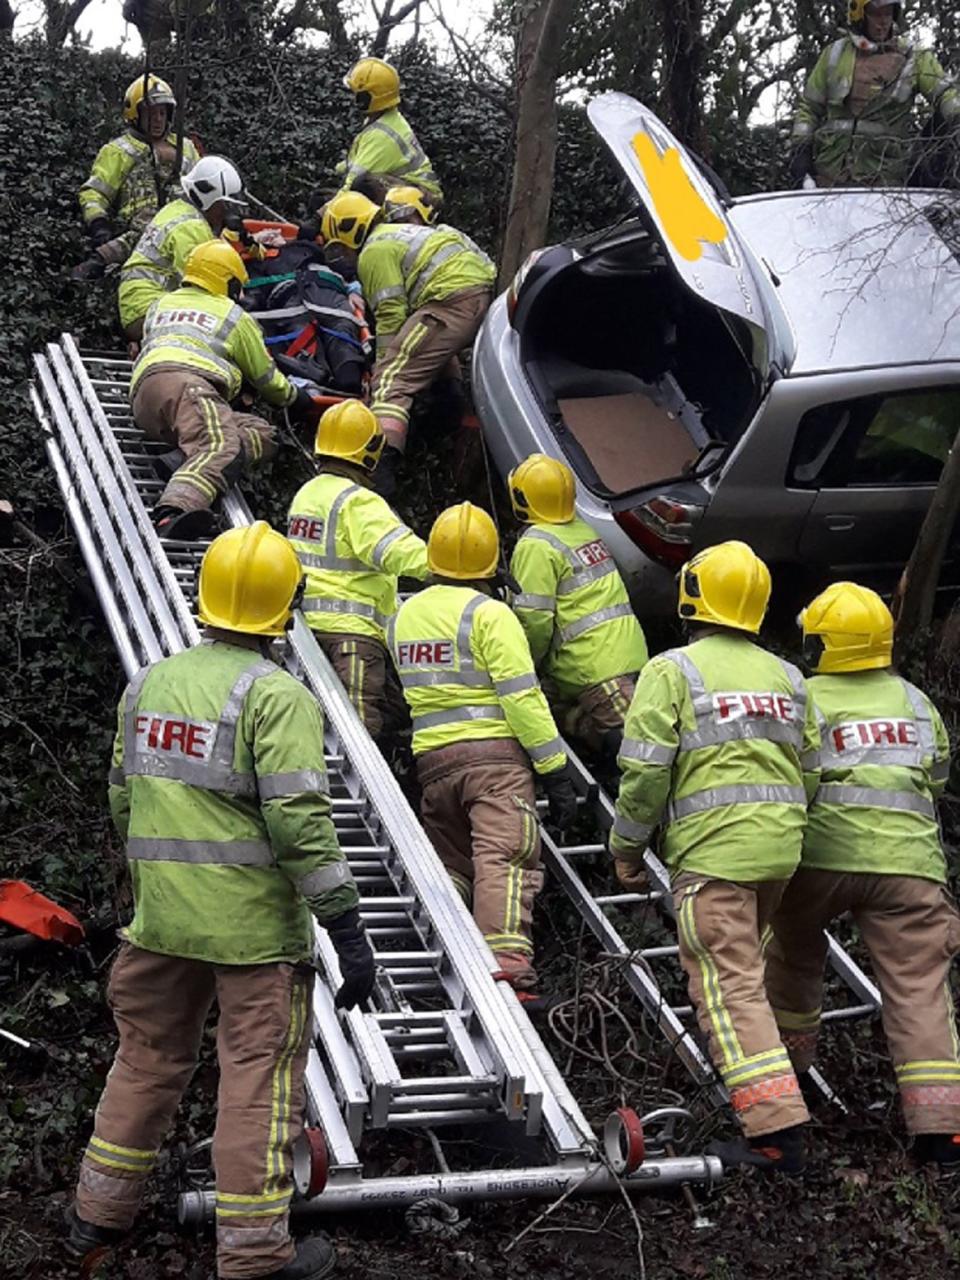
(389, 20)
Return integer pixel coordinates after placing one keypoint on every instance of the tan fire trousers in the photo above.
(911, 929)
(364, 669)
(596, 711)
(721, 928)
(180, 407)
(479, 810)
(425, 347)
(160, 1004)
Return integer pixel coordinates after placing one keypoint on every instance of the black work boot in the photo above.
(777, 1152)
(316, 1257)
(938, 1148)
(185, 526)
(166, 465)
(87, 1243)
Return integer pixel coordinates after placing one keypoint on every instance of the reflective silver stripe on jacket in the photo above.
(100, 186)
(416, 238)
(216, 772)
(583, 577)
(457, 715)
(873, 128)
(591, 620)
(297, 782)
(528, 600)
(325, 878)
(149, 243)
(130, 146)
(238, 853)
(385, 543)
(515, 684)
(710, 732)
(116, 777)
(646, 752)
(430, 268)
(389, 291)
(836, 793)
(745, 793)
(635, 832)
(223, 367)
(347, 606)
(162, 279)
(552, 748)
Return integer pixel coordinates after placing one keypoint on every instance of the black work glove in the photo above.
(801, 163)
(99, 231)
(561, 797)
(304, 405)
(357, 966)
(309, 230)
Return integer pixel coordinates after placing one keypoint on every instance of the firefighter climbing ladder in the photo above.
(443, 1042)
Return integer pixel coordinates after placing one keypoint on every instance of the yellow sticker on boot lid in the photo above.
(683, 213)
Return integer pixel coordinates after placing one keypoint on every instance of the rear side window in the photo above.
(899, 439)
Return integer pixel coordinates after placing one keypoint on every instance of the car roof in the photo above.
(865, 277)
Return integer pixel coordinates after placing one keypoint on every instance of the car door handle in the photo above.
(840, 524)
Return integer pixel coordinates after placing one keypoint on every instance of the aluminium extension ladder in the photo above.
(441, 1042)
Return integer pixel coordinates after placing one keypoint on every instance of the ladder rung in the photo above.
(657, 953)
(850, 1012)
(626, 899)
(580, 850)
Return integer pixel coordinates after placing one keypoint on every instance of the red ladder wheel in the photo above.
(623, 1141)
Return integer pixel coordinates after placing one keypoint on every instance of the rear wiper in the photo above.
(708, 460)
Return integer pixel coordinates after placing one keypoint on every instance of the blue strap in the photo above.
(282, 337)
(345, 337)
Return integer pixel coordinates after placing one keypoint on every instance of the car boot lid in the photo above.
(697, 236)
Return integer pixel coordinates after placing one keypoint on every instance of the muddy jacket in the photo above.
(353, 548)
(857, 109)
(712, 750)
(156, 264)
(124, 183)
(386, 148)
(574, 607)
(219, 788)
(883, 760)
(403, 267)
(193, 329)
(467, 675)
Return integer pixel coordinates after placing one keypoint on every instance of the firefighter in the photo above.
(353, 548)
(219, 788)
(712, 753)
(854, 126)
(872, 847)
(429, 288)
(407, 204)
(385, 152)
(213, 197)
(584, 636)
(198, 347)
(130, 174)
(479, 720)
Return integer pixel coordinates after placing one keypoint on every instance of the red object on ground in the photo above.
(25, 908)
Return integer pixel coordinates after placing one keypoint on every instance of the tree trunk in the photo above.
(389, 20)
(916, 591)
(62, 18)
(8, 16)
(683, 57)
(528, 211)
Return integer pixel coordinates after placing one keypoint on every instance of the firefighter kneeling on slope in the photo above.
(573, 606)
(712, 754)
(428, 288)
(199, 346)
(872, 847)
(353, 548)
(479, 720)
(219, 788)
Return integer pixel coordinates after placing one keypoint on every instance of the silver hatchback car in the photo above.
(796, 384)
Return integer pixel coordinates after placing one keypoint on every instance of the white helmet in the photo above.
(211, 179)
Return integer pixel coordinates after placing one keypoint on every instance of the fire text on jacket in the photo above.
(853, 734)
(753, 706)
(425, 653)
(171, 735)
(592, 553)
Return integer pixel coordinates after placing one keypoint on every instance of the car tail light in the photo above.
(662, 528)
(516, 284)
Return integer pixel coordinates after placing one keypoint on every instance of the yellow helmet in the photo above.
(847, 628)
(349, 430)
(158, 94)
(213, 265)
(374, 83)
(348, 218)
(400, 202)
(463, 543)
(857, 10)
(249, 581)
(728, 585)
(542, 488)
